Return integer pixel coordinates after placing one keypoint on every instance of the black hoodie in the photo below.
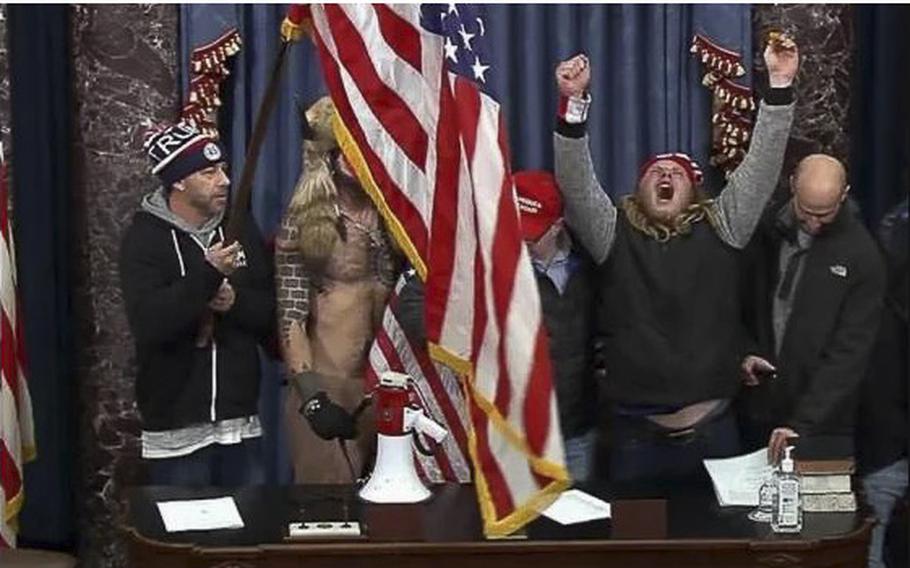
(167, 284)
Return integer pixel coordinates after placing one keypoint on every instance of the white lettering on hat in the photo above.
(167, 156)
(173, 138)
(211, 152)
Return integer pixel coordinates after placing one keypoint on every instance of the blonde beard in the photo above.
(314, 208)
(681, 224)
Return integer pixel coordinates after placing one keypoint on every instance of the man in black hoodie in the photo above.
(197, 308)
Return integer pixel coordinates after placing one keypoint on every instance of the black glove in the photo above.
(327, 419)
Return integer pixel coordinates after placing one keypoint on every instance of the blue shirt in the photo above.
(559, 269)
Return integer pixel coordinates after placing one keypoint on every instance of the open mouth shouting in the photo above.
(665, 192)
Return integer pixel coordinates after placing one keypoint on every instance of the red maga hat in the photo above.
(693, 170)
(539, 202)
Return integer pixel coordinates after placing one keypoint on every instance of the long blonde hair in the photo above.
(314, 206)
(679, 225)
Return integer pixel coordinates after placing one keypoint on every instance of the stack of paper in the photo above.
(737, 480)
(200, 514)
(576, 506)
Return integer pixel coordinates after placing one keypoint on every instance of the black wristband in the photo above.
(563, 128)
(779, 97)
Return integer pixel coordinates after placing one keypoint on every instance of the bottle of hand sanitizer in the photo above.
(787, 516)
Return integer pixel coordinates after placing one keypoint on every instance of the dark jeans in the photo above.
(216, 465)
(641, 450)
(884, 489)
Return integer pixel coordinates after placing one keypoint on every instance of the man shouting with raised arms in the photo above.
(668, 309)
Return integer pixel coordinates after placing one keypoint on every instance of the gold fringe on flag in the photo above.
(208, 65)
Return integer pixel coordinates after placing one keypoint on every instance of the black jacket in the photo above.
(668, 314)
(568, 319)
(176, 384)
(830, 331)
(882, 420)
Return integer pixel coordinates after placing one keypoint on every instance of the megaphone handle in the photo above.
(419, 444)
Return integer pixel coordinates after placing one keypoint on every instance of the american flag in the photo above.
(439, 390)
(428, 141)
(17, 436)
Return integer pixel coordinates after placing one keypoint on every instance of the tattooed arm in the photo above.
(293, 290)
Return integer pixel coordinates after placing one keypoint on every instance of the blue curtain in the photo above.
(880, 109)
(39, 39)
(646, 87)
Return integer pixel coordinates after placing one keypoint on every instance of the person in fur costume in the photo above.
(335, 267)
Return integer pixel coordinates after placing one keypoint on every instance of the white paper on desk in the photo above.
(737, 480)
(200, 514)
(575, 506)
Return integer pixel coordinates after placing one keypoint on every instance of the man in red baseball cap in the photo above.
(564, 282)
(540, 206)
(667, 308)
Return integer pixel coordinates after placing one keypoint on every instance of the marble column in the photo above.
(825, 36)
(124, 66)
(4, 85)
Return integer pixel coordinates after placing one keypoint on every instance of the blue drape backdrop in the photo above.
(646, 87)
(40, 87)
(880, 109)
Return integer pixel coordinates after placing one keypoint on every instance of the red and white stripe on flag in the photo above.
(17, 433)
(439, 390)
(431, 150)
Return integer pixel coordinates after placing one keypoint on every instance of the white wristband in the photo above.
(574, 110)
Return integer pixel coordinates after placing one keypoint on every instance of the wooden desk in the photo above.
(679, 528)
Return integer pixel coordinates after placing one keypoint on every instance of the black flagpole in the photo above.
(241, 202)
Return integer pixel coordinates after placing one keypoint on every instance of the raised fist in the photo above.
(573, 76)
(782, 60)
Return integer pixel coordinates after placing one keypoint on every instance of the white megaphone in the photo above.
(394, 478)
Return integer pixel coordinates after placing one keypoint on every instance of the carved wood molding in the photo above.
(779, 560)
(232, 564)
